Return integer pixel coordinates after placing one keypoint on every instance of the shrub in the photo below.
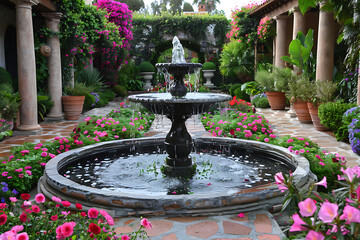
(129, 77)
(194, 60)
(209, 66)
(266, 80)
(331, 115)
(120, 91)
(146, 67)
(91, 78)
(241, 94)
(233, 87)
(260, 101)
(5, 78)
(89, 101)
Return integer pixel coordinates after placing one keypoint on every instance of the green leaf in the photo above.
(295, 52)
(309, 39)
(305, 4)
(73, 237)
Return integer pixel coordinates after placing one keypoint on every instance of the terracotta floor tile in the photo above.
(159, 227)
(243, 219)
(127, 222)
(122, 230)
(263, 224)
(170, 237)
(268, 237)
(233, 238)
(235, 228)
(204, 229)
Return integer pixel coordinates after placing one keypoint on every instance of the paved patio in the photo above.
(259, 225)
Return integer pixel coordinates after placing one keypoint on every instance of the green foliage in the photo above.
(91, 78)
(44, 104)
(134, 5)
(299, 88)
(347, 86)
(209, 66)
(325, 90)
(331, 115)
(79, 89)
(237, 59)
(300, 51)
(9, 105)
(120, 91)
(153, 28)
(260, 101)
(233, 87)
(194, 60)
(4, 134)
(187, 7)
(305, 4)
(129, 77)
(89, 101)
(251, 88)
(266, 80)
(5, 78)
(146, 67)
(241, 94)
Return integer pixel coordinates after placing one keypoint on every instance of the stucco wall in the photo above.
(7, 17)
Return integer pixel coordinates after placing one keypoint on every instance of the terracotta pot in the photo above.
(313, 110)
(277, 100)
(73, 106)
(302, 111)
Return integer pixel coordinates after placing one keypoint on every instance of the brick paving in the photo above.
(258, 225)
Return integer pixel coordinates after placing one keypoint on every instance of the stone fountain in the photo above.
(231, 175)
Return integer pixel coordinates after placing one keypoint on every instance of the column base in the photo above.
(53, 118)
(22, 132)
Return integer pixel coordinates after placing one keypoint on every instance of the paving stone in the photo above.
(235, 228)
(204, 229)
(268, 237)
(159, 227)
(262, 224)
(127, 222)
(233, 238)
(171, 236)
(122, 230)
(243, 219)
(186, 219)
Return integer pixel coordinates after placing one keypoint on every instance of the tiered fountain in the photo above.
(231, 175)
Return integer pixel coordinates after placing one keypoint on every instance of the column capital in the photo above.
(52, 16)
(25, 3)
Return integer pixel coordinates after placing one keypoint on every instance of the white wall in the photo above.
(7, 17)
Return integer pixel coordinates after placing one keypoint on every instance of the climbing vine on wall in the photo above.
(148, 28)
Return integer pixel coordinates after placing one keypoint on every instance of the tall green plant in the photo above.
(90, 77)
(300, 51)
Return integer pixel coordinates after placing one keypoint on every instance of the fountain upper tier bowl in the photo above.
(191, 104)
(174, 68)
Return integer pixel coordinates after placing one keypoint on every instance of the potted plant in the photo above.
(73, 100)
(275, 84)
(147, 70)
(299, 94)
(208, 70)
(324, 92)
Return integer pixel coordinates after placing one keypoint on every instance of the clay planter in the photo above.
(73, 106)
(302, 111)
(313, 110)
(277, 100)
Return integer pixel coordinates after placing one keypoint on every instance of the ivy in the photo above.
(148, 28)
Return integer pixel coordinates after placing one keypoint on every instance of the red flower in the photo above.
(83, 214)
(93, 213)
(94, 228)
(78, 206)
(35, 208)
(54, 218)
(25, 196)
(3, 218)
(232, 132)
(23, 217)
(66, 203)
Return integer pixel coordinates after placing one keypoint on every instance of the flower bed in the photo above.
(26, 164)
(232, 122)
(22, 219)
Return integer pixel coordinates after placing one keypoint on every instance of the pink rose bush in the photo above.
(324, 216)
(23, 220)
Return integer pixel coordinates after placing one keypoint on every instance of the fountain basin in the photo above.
(129, 203)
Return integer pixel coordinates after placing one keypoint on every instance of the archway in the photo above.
(11, 52)
(165, 45)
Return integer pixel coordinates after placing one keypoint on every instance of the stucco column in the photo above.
(26, 66)
(281, 40)
(54, 65)
(299, 24)
(325, 46)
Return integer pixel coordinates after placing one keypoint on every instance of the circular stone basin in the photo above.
(192, 103)
(124, 178)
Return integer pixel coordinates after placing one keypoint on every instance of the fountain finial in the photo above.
(178, 51)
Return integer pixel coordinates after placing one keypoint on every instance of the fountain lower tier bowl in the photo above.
(191, 104)
(179, 68)
(124, 177)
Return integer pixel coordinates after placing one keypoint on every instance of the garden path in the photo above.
(257, 225)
